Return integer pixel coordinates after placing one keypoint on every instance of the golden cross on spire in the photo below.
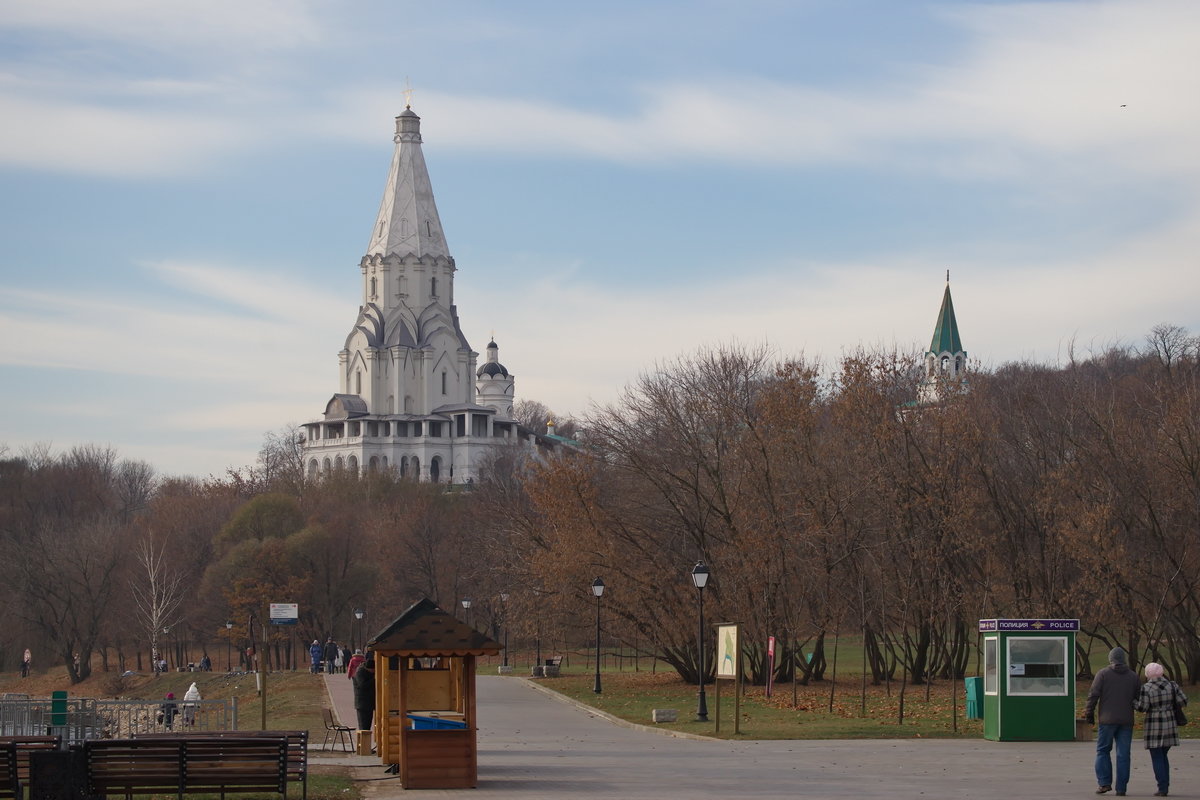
(408, 93)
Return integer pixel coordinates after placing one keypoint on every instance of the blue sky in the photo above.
(186, 189)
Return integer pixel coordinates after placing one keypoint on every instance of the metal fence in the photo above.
(77, 719)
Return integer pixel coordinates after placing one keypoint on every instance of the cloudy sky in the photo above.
(187, 189)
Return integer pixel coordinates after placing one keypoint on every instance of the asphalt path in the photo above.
(535, 744)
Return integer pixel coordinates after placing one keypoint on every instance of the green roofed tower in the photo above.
(945, 360)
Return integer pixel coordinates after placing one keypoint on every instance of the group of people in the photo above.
(168, 710)
(1118, 692)
(330, 657)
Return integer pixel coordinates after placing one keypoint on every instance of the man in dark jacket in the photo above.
(1115, 688)
(364, 692)
(331, 654)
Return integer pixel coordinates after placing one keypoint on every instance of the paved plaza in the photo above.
(535, 745)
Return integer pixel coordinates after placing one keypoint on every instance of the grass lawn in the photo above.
(632, 695)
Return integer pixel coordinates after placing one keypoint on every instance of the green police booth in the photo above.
(1029, 679)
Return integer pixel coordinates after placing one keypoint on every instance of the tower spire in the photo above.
(945, 331)
(945, 359)
(408, 221)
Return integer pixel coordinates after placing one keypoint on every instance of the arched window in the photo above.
(358, 381)
(373, 464)
(957, 364)
(373, 287)
(433, 287)
(352, 464)
(338, 464)
(416, 468)
(403, 466)
(435, 470)
(326, 466)
(313, 467)
(945, 363)
(443, 381)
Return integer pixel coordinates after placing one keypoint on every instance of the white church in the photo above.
(410, 395)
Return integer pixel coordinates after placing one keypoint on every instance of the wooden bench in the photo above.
(186, 766)
(297, 748)
(10, 781)
(25, 746)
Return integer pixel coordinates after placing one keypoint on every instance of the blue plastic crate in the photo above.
(421, 723)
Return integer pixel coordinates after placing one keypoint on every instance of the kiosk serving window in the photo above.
(990, 667)
(1037, 665)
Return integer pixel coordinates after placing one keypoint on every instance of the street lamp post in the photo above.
(358, 615)
(228, 646)
(466, 604)
(504, 622)
(597, 589)
(700, 579)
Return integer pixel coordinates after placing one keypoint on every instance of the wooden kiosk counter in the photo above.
(425, 697)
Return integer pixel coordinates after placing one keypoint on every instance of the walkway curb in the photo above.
(624, 723)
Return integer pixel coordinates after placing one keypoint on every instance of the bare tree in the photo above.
(157, 590)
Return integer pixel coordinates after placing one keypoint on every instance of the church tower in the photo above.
(406, 374)
(945, 360)
(494, 384)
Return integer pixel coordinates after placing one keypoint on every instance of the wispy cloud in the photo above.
(169, 337)
(202, 24)
(97, 140)
(822, 309)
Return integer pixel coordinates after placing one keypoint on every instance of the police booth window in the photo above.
(1037, 665)
(990, 684)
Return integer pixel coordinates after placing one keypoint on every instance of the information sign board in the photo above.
(285, 613)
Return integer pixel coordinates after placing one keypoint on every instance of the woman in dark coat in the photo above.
(364, 692)
(1158, 698)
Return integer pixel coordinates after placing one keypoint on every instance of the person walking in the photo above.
(355, 662)
(26, 662)
(191, 704)
(1114, 690)
(167, 711)
(1158, 697)
(314, 653)
(364, 692)
(330, 655)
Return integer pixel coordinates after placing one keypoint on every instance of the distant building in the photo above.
(410, 398)
(945, 360)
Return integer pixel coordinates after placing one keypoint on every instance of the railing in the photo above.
(79, 719)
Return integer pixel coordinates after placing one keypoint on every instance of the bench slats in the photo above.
(187, 765)
(297, 747)
(10, 783)
(27, 745)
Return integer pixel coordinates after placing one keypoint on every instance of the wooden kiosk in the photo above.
(425, 697)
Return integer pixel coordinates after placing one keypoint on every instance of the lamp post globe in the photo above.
(597, 590)
(700, 580)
